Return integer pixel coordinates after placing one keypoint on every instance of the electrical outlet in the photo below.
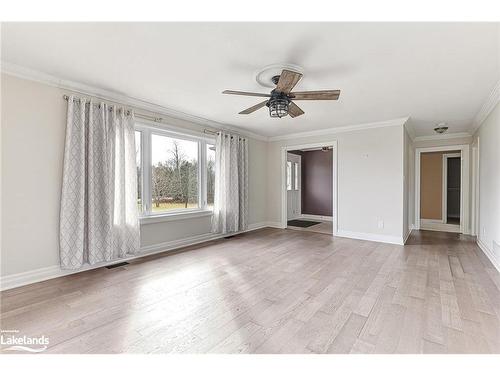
(380, 224)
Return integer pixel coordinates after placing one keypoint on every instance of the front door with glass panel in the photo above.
(293, 176)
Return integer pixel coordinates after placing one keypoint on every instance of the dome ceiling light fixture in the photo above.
(280, 102)
(441, 128)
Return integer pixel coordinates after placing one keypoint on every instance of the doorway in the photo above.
(309, 188)
(441, 187)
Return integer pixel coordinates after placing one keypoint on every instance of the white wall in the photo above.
(33, 130)
(489, 185)
(370, 181)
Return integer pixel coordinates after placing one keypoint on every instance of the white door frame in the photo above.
(295, 159)
(475, 190)
(444, 192)
(284, 149)
(464, 183)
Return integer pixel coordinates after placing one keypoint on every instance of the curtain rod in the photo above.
(140, 115)
(148, 117)
(208, 131)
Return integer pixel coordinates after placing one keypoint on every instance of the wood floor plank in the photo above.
(274, 291)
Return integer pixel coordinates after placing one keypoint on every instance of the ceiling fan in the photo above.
(280, 99)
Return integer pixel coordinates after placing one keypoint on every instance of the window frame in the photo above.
(148, 129)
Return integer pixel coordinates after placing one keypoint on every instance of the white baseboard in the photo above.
(316, 217)
(371, 237)
(489, 254)
(437, 225)
(275, 224)
(51, 272)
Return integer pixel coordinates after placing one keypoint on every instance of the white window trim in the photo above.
(148, 128)
(171, 216)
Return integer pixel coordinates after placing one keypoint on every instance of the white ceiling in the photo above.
(433, 72)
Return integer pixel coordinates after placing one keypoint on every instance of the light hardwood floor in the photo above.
(274, 291)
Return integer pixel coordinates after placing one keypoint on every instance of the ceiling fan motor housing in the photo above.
(275, 79)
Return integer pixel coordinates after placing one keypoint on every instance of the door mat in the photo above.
(302, 223)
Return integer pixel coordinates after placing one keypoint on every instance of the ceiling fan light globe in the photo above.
(278, 108)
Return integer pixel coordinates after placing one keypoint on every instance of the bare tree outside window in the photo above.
(174, 173)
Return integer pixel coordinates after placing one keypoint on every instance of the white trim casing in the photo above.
(316, 217)
(77, 87)
(438, 225)
(148, 129)
(464, 182)
(410, 229)
(487, 107)
(187, 214)
(371, 237)
(138, 103)
(341, 129)
(494, 259)
(142, 104)
(475, 189)
(437, 137)
(284, 150)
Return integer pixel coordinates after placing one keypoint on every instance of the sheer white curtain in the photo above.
(98, 219)
(231, 184)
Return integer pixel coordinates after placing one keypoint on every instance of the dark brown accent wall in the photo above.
(317, 183)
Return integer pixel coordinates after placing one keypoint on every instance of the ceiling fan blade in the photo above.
(287, 81)
(294, 110)
(246, 93)
(315, 95)
(254, 108)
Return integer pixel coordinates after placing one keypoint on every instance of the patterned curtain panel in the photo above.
(231, 184)
(98, 220)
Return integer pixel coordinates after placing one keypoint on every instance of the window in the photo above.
(176, 172)
(288, 175)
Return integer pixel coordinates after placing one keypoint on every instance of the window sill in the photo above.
(174, 216)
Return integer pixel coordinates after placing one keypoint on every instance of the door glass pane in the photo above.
(296, 176)
(174, 174)
(288, 175)
(210, 175)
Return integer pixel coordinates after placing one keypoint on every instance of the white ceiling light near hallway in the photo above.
(430, 71)
(441, 128)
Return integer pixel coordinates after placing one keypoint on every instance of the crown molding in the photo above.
(487, 107)
(140, 104)
(436, 137)
(342, 129)
(410, 129)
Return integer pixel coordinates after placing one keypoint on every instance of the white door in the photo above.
(293, 182)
